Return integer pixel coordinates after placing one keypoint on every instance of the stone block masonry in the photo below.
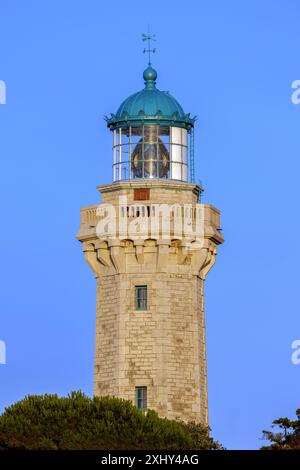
(162, 348)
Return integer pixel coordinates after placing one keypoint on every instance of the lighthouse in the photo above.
(150, 244)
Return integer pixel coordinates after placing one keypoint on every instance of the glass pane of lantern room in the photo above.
(119, 136)
(150, 134)
(114, 155)
(163, 134)
(184, 136)
(163, 168)
(125, 134)
(150, 152)
(136, 134)
(176, 135)
(184, 154)
(137, 162)
(163, 164)
(136, 152)
(176, 171)
(176, 144)
(176, 153)
(184, 173)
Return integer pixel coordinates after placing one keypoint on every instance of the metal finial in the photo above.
(149, 37)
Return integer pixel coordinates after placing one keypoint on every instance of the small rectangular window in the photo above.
(141, 297)
(141, 398)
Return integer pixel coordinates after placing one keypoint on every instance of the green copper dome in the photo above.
(150, 106)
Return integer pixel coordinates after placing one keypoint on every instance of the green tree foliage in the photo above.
(79, 422)
(287, 436)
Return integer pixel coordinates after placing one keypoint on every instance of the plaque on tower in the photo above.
(141, 194)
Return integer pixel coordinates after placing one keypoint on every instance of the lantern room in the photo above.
(152, 136)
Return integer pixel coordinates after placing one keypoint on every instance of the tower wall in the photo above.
(162, 348)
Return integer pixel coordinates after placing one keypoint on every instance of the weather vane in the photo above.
(149, 37)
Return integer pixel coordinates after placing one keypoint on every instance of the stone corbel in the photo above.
(104, 257)
(139, 252)
(163, 249)
(199, 259)
(211, 259)
(91, 257)
(103, 253)
(118, 257)
(182, 254)
(184, 251)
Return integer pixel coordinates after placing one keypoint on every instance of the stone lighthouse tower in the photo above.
(150, 244)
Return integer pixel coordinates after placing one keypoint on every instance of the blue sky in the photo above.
(68, 63)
